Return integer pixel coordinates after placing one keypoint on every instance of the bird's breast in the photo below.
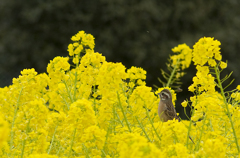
(161, 108)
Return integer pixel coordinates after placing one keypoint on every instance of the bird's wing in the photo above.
(171, 112)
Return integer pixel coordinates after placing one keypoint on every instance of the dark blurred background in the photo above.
(137, 33)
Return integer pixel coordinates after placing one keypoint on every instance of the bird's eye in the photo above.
(164, 95)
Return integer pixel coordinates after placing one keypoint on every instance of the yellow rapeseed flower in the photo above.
(4, 131)
(205, 50)
(184, 103)
(184, 56)
(223, 65)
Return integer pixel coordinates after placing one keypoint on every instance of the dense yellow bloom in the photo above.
(206, 50)
(58, 64)
(209, 104)
(134, 145)
(81, 113)
(56, 69)
(140, 100)
(203, 81)
(94, 139)
(4, 131)
(177, 150)
(184, 57)
(213, 112)
(135, 73)
(82, 42)
(173, 132)
(30, 125)
(101, 109)
(89, 67)
(42, 156)
(213, 148)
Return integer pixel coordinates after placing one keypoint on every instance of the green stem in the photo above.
(53, 137)
(75, 81)
(114, 119)
(189, 129)
(152, 124)
(86, 151)
(172, 74)
(103, 153)
(65, 101)
(124, 115)
(23, 144)
(142, 127)
(14, 118)
(226, 104)
(59, 149)
(186, 113)
(175, 135)
(69, 94)
(27, 130)
(198, 143)
(105, 144)
(70, 150)
(75, 84)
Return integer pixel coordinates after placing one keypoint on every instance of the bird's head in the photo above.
(165, 95)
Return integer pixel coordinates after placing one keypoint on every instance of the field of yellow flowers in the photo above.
(87, 107)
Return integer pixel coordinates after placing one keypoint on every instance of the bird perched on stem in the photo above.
(166, 110)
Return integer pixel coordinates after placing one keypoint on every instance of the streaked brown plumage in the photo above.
(166, 110)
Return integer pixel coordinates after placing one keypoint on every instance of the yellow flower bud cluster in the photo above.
(183, 57)
(82, 42)
(207, 50)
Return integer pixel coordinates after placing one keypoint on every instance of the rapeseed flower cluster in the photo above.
(176, 65)
(102, 109)
(183, 56)
(213, 112)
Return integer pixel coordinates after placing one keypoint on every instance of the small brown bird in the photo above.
(166, 110)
